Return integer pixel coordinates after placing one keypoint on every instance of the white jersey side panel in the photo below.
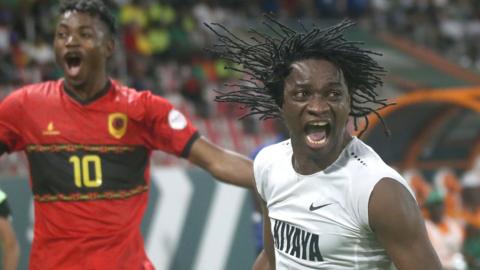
(320, 221)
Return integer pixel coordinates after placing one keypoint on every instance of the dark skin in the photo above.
(316, 91)
(401, 229)
(87, 39)
(314, 94)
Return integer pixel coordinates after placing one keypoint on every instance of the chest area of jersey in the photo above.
(81, 153)
(314, 229)
(311, 218)
(62, 123)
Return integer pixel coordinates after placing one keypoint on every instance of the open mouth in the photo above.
(73, 62)
(317, 132)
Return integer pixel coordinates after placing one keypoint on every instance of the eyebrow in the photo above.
(81, 27)
(329, 84)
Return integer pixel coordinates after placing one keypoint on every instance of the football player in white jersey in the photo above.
(329, 201)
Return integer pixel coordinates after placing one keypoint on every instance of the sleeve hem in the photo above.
(188, 146)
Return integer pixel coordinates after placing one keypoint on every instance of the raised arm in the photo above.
(266, 258)
(223, 164)
(396, 220)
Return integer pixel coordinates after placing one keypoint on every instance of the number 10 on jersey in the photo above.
(81, 170)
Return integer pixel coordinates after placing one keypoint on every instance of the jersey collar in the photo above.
(100, 94)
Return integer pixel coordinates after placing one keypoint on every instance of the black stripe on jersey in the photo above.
(188, 146)
(69, 172)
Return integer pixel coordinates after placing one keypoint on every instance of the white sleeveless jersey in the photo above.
(320, 221)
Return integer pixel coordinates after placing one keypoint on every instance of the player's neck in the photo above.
(310, 163)
(88, 90)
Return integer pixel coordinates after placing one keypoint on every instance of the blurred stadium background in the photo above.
(431, 49)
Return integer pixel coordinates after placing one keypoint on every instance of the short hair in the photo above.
(267, 59)
(93, 8)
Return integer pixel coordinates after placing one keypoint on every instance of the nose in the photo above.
(71, 40)
(317, 105)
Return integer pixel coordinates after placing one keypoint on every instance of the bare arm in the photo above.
(266, 258)
(225, 165)
(396, 221)
(11, 250)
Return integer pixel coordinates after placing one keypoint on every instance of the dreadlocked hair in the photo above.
(92, 7)
(266, 61)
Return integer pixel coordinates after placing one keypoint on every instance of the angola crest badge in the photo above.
(117, 124)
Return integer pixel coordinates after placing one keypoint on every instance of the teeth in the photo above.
(316, 142)
(319, 124)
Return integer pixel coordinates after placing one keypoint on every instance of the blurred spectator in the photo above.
(471, 247)
(206, 11)
(192, 88)
(445, 180)
(421, 188)
(471, 197)
(39, 52)
(175, 29)
(471, 215)
(140, 78)
(159, 38)
(445, 233)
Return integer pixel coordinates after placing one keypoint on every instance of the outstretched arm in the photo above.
(266, 258)
(396, 221)
(223, 164)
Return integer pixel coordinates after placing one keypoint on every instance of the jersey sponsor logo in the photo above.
(296, 242)
(313, 208)
(50, 130)
(117, 124)
(176, 120)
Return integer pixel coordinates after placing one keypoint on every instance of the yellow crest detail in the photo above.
(117, 124)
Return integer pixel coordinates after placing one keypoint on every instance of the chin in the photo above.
(75, 83)
(321, 150)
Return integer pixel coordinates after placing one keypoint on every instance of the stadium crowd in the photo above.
(162, 43)
(451, 207)
(162, 49)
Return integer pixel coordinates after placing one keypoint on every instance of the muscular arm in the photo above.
(11, 250)
(225, 165)
(266, 258)
(396, 221)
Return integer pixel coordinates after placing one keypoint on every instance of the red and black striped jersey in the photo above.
(89, 169)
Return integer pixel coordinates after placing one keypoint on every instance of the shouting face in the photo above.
(82, 46)
(315, 108)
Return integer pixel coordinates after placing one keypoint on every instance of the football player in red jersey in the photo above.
(88, 140)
